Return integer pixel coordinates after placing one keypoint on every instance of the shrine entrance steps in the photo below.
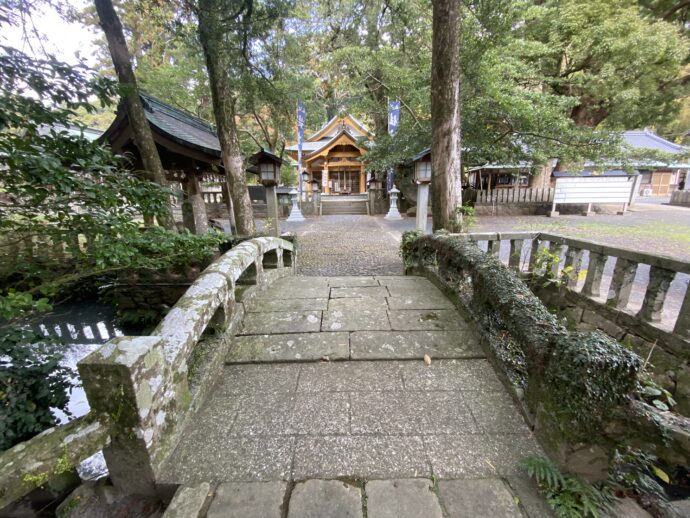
(326, 407)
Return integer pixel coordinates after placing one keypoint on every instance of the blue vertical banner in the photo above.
(393, 122)
(301, 119)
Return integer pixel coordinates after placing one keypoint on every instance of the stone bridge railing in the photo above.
(576, 387)
(142, 389)
(587, 263)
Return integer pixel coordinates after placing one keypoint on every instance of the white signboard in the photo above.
(594, 189)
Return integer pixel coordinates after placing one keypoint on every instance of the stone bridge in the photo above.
(263, 393)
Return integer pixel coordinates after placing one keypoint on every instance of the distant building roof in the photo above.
(73, 129)
(594, 174)
(646, 139)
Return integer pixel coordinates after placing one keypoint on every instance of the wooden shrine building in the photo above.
(333, 156)
(188, 148)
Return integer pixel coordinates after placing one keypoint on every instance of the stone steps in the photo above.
(343, 206)
(392, 498)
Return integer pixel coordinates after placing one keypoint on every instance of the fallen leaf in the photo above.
(325, 359)
(427, 359)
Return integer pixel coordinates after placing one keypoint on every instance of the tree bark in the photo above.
(445, 113)
(143, 139)
(211, 33)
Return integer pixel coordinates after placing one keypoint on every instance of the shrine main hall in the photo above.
(333, 156)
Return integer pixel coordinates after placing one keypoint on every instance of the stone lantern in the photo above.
(267, 166)
(393, 212)
(422, 176)
(315, 196)
(295, 213)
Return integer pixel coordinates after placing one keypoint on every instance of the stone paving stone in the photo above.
(362, 318)
(496, 412)
(270, 304)
(218, 414)
(480, 455)
(300, 281)
(289, 347)
(478, 497)
(296, 292)
(420, 300)
(531, 499)
(248, 379)
(264, 413)
(187, 502)
(248, 499)
(351, 281)
(349, 377)
(404, 280)
(320, 413)
(425, 319)
(203, 456)
(355, 303)
(325, 499)
(450, 375)
(411, 413)
(370, 292)
(370, 456)
(406, 498)
(281, 322)
(392, 345)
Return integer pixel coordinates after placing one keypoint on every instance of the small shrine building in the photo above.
(333, 156)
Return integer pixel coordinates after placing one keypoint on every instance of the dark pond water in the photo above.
(83, 326)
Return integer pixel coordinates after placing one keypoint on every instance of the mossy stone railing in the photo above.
(149, 384)
(141, 389)
(662, 271)
(571, 385)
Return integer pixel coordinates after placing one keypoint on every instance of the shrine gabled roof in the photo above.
(180, 126)
(325, 145)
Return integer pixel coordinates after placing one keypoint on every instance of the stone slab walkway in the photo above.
(326, 405)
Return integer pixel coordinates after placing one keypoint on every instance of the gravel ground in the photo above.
(349, 245)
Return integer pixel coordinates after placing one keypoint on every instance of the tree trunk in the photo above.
(143, 139)
(445, 113)
(211, 35)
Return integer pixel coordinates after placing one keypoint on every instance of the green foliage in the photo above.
(32, 381)
(637, 471)
(621, 66)
(568, 495)
(588, 376)
(545, 263)
(69, 211)
(466, 218)
(653, 394)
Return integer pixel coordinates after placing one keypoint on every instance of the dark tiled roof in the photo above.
(183, 127)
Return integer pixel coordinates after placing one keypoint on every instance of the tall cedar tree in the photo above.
(122, 62)
(445, 113)
(212, 15)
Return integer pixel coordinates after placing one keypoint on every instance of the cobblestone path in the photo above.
(326, 408)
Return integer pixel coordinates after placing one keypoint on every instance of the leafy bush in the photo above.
(568, 495)
(589, 374)
(32, 381)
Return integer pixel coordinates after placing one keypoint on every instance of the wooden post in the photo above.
(324, 180)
